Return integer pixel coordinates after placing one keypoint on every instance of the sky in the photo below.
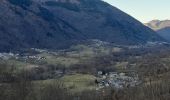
(144, 10)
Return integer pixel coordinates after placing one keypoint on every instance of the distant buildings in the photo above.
(7, 56)
(117, 80)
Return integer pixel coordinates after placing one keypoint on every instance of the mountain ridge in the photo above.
(161, 27)
(158, 24)
(57, 24)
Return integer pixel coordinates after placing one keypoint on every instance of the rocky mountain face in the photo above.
(161, 27)
(57, 24)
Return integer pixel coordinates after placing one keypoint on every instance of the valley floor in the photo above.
(87, 72)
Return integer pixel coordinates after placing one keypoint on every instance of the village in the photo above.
(7, 56)
(117, 80)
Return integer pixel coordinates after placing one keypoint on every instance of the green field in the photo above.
(74, 83)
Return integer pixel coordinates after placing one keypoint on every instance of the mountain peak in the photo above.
(162, 27)
(158, 24)
(154, 21)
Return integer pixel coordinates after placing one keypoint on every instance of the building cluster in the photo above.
(33, 57)
(7, 56)
(117, 80)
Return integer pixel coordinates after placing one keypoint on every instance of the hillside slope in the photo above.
(56, 24)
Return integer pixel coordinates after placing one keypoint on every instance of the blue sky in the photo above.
(144, 10)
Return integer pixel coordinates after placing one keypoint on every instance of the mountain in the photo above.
(162, 28)
(57, 24)
(157, 24)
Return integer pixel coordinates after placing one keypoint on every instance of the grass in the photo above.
(17, 64)
(121, 65)
(76, 54)
(79, 82)
(75, 83)
(59, 60)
